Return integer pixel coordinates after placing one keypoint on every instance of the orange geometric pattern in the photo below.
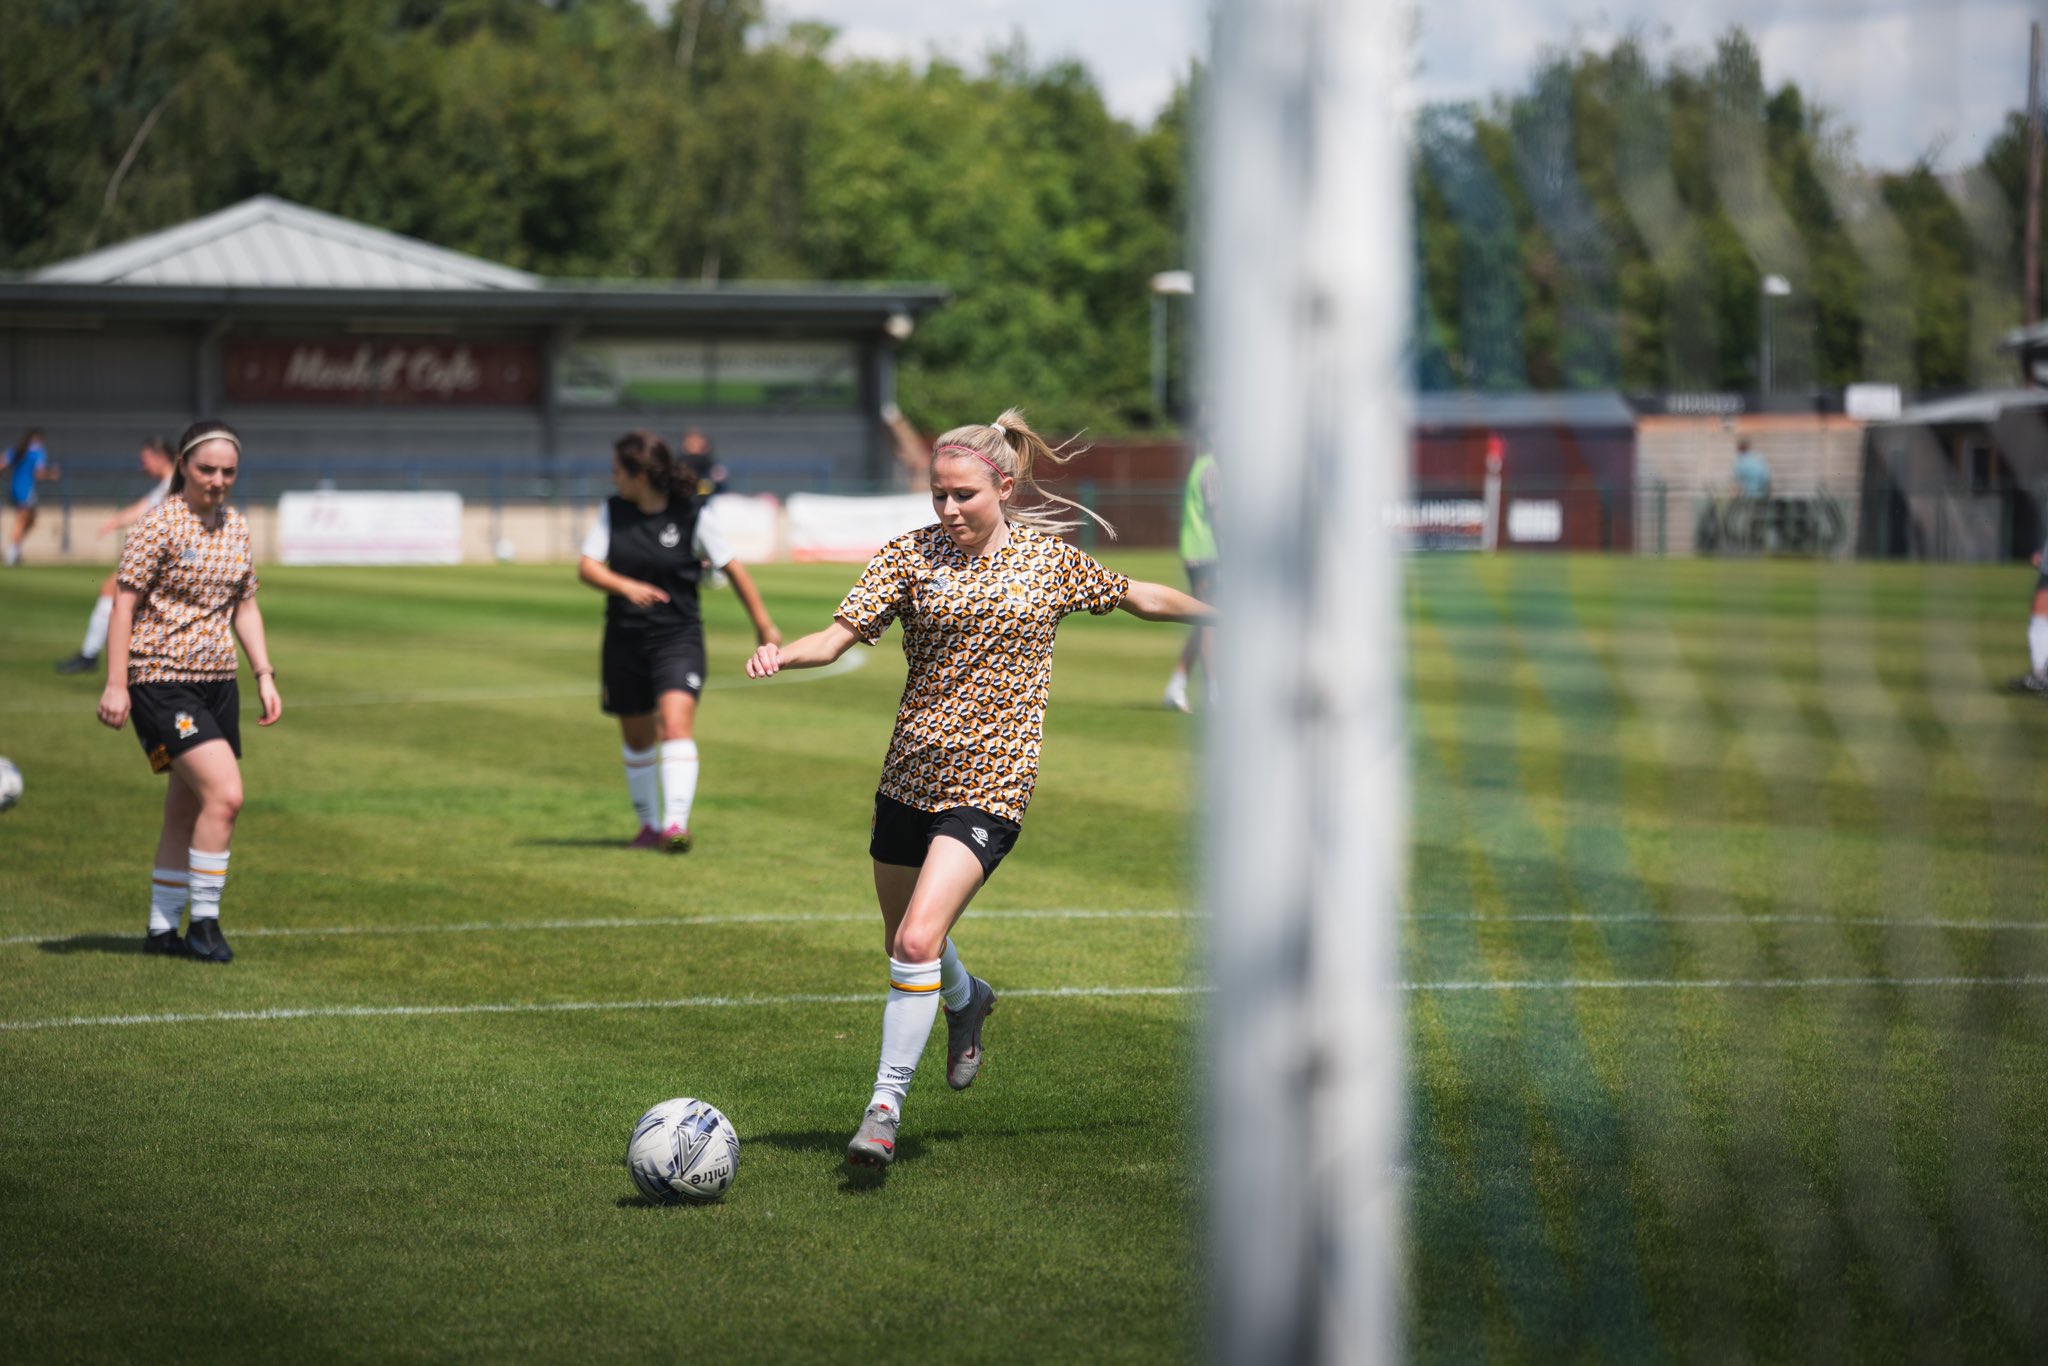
(188, 579)
(978, 635)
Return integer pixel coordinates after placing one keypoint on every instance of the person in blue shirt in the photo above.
(26, 464)
(1752, 472)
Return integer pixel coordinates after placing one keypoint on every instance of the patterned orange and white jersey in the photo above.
(188, 579)
(978, 632)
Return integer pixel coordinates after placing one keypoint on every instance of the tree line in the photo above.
(1609, 225)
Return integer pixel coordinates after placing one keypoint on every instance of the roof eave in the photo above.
(860, 304)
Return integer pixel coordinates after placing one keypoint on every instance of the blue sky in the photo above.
(1912, 76)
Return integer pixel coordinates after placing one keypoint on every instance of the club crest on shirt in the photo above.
(670, 537)
(186, 726)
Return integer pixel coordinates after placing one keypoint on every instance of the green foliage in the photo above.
(1611, 224)
(1607, 225)
(594, 139)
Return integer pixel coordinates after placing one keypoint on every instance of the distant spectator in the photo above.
(157, 463)
(2035, 680)
(1752, 471)
(27, 464)
(696, 457)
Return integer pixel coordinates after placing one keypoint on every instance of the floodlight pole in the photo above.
(1165, 284)
(1306, 293)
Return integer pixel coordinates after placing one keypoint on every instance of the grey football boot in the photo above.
(874, 1143)
(963, 1035)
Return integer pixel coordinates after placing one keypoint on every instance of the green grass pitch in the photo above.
(1727, 990)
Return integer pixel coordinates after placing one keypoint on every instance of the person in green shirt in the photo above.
(1198, 555)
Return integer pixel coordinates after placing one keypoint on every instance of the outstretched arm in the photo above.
(806, 652)
(750, 598)
(1157, 602)
(127, 516)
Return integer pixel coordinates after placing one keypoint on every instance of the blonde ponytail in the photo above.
(1009, 447)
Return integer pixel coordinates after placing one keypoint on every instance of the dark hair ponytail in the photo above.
(195, 436)
(641, 452)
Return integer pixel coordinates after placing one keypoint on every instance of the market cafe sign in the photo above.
(351, 372)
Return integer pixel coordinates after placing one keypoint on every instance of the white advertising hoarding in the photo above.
(369, 528)
(827, 527)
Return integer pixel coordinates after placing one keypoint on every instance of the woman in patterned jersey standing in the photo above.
(980, 594)
(185, 589)
(646, 552)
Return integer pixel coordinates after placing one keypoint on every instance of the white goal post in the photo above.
(1305, 300)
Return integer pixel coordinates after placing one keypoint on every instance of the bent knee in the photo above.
(225, 802)
(919, 946)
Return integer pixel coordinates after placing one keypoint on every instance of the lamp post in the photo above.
(1165, 283)
(1774, 287)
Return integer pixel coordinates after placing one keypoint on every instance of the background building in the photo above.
(347, 353)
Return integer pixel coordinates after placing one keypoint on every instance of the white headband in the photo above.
(1001, 430)
(204, 437)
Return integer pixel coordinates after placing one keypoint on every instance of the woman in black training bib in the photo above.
(647, 551)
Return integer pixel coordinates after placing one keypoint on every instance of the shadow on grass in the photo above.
(94, 943)
(832, 1143)
(538, 842)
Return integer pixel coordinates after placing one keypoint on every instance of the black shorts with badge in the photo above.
(640, 666)
(903, 833)
(172, 718)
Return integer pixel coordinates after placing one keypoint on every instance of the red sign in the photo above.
(350, 372)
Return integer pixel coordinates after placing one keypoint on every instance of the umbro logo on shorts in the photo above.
(694, 680)
(981, 837)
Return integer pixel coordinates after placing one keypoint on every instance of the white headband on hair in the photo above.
(1001, 430)
(204, 437)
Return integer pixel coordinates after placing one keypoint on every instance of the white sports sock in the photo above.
(96, 629)
(955, 985)
(678, 782)
(907, 1020)
(209, 875)
(2037, 643)
(643, 782)
(166, 898)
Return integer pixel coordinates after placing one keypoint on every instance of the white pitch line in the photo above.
(847, 663)
(1049, 993)
(1728, 983)
(702, 921)
(607, 923)
(540, 1007)
(1650, 918)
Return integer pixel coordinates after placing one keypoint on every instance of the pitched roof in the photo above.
(266, 242)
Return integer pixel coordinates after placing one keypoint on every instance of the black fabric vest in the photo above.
(657, 548)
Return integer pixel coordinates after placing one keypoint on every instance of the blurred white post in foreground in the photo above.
(1305, 307)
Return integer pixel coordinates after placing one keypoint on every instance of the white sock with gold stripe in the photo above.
(907, 1020)
(166, 898)
(209, 876)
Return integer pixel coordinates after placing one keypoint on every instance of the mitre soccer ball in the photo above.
(10, 784)
(683, 1152)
